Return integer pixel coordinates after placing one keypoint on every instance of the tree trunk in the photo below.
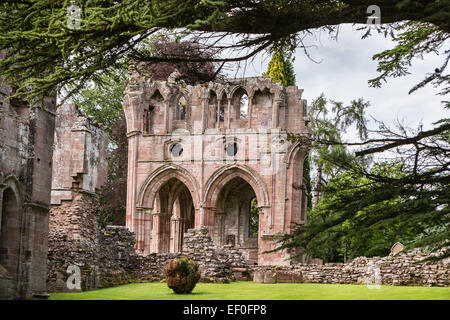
(316, 192)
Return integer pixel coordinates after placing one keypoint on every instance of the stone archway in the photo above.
(227, 211)
(234, 220)
(10, 233)
(167, 206)
(173, 214)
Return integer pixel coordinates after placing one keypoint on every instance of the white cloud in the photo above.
(346, 66)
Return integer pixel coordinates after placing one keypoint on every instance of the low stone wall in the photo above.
(405, 268)
(215, 263)
(109, 259)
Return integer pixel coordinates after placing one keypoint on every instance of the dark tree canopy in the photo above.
(46, 53)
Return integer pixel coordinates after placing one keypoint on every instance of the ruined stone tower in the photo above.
(208, 155)
(26, 139)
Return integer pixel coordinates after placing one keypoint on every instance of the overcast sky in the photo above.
(346, 66)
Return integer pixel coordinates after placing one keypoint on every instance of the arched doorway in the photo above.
(236, 222)
(173, 215)
(10, 231)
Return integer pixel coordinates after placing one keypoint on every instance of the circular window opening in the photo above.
(176, 150)
(231, 149)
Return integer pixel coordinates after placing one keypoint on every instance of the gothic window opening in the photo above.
(222, 108)
(180, 113)
(176, 216)
(240, 104)
(243, 107)
(148, 119)
(222, 114)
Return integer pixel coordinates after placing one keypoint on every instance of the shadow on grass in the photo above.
(188, 294)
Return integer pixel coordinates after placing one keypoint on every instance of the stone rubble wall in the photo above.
(405, 268)
(110, 259)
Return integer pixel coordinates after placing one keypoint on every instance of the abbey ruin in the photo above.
(213, 175)
(199, 155)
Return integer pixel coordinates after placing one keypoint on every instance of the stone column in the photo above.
(147, 230)
(275, 107)
(139, 230)
(250, 110)
(205, 110)
(166, 117)
(218, 114)
(229, 114)
(133, 143)
(156, 232)
(177, 234)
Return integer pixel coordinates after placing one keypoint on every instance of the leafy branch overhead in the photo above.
(44, 53)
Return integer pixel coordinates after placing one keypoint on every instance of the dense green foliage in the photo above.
(365, 209)
(369, 200)
(254, 218)
(280, 69)
(329, 124)
(102, 102)
(256, 291)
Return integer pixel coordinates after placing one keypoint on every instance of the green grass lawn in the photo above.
(257, 291)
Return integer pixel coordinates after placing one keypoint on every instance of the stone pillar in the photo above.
(177, 234)
(218, 114)
(139, 230)
(207, 214)
(250, 110)
(166, 117)
(156, 232)
(275, 107)
(147, 230)
(133, 143)
(229, 114)
(205, 109)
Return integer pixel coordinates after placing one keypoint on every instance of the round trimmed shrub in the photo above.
(182, 275)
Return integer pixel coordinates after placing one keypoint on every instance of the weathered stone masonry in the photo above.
(79, 171)
(198, 158)
(26, 139)
(111, 260)
(404, 268)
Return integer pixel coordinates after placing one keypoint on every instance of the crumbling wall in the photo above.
(79, 171)
(404, 268)
(26, 139)
(111, 259)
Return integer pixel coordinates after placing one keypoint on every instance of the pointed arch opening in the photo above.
(153, 114)
(212, 109)
(181, 106)
(241, 103)
(236, 223)
(173, 215)
(10, 232)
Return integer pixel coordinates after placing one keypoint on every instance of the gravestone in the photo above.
(258, 277)
(396, 248)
